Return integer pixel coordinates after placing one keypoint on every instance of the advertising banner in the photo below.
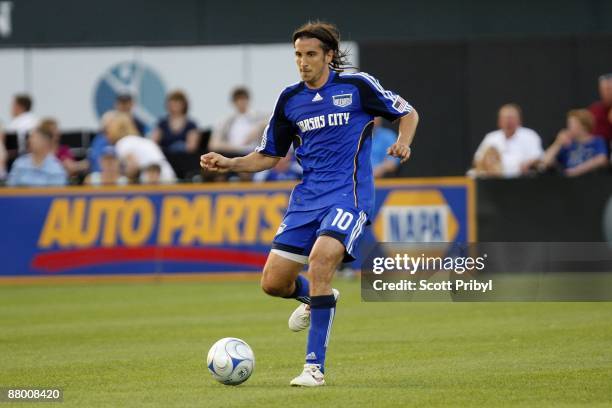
(210, 228)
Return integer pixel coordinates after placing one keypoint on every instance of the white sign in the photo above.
(77, 85)
(6, 28)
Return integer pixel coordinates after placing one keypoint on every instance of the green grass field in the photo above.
(135, 344)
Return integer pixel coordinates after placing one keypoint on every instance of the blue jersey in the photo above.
(330, 129)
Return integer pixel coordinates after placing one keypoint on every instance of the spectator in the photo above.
(575, 149)
(518, 147)
(125, 103)
(40, 167)
(23, 120)
(135, 152)
(490, 164)
(99, 143)
(151, 174)
(240, 132)
(382, 139)
(176, 133)
(110, 170)
(602, 109)
(62, 152)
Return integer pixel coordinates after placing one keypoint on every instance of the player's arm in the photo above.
(275, 143)
(380, 102)
(407, 128)
(251, 163)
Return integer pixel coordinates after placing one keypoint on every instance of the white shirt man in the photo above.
(517, 146)
(22, 124)
(240, 132)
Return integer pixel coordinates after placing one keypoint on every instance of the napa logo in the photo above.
(140, 81)
(419, 216)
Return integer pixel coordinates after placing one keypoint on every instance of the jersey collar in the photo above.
(332, 75)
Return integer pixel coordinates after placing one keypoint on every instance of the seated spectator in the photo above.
(62, 152)
(285, 170)
(518, 147)
(575, 149)
(136, 152)
(151, 174)
(176, 133)
(241, 132)
(23, 120)
(602, 109)
(99, 143)
(40, 167)
(125, 103)
(110, 171)
(490, 164)
(382, 139)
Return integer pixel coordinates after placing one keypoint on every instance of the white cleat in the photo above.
(310, 377)
(300, 318)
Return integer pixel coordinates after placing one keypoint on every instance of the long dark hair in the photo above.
(329, 35)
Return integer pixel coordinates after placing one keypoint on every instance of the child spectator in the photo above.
(576, 150)
(151, 174)
(110, 170)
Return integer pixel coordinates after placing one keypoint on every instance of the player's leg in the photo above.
(281, 277)
(338, 235)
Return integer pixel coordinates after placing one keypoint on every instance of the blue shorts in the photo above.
(300, 229)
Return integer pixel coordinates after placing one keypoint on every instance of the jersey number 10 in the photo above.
(342, 219)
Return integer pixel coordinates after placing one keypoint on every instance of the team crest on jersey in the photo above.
(342, 100)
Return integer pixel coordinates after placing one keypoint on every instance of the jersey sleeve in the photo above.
(378, 101)
(278, 135)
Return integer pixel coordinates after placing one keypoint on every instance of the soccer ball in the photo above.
(230, 361)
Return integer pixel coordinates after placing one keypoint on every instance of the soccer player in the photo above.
(328, 118)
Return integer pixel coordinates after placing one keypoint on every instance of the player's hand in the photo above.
(400, 151)
(215, 162)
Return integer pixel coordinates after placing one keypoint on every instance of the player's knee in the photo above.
(273, 288)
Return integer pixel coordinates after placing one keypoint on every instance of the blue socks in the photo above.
(302, 290)
(322, 310)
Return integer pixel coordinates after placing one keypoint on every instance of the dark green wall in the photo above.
(123, 22)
